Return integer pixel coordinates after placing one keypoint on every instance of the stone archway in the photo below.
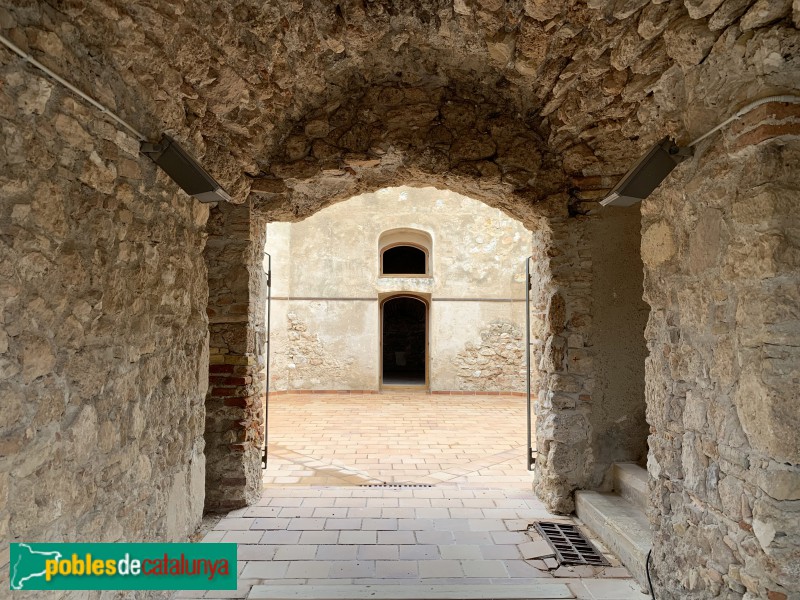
(562, 327)
(245, 85)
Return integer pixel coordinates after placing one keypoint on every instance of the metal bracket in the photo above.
(151, 148)
(681, 153)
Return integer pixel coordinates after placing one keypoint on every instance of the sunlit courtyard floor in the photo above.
(413, 437)
(401, 495)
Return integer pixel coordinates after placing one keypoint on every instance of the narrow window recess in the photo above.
(404, 260)
(405, 252)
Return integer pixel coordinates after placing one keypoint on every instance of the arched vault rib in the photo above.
(392, 135)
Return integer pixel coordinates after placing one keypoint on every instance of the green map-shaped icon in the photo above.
(28, 564)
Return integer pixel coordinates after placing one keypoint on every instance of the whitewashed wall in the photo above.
(326, 287)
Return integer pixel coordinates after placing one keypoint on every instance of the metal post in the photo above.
(267, 341)
(528, 286)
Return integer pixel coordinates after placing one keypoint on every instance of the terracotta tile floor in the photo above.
(317, 533)
(394, 437)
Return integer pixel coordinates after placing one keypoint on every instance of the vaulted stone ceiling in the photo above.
(306, 100)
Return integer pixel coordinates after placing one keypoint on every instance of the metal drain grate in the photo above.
(396, 485)
(571, 547)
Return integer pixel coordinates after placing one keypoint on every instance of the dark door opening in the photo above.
(404, 345)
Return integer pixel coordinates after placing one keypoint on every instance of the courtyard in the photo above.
(387, 495)
(397, 437)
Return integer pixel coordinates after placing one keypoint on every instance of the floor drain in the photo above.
(396, 485)
(571, 547)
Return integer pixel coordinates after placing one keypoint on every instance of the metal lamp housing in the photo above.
(645, 176)
(184, 170)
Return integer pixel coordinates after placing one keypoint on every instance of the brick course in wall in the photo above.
(235, 402)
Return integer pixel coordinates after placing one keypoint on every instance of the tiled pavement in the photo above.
(340, 439)
(470, 527)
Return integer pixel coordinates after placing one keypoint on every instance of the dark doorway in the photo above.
(404, 351)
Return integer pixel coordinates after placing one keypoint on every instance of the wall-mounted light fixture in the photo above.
(184, 170)
(646, 174)
(167, 154)
(653, 167)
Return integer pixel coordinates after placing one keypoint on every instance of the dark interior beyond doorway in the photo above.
(404, 337)
(404, 260)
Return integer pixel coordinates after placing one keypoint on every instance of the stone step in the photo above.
(535, 591)
(620, 525)
(630, 482)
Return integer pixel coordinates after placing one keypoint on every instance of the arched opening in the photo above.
(404, 260)
(404, 341)
(343, 359)
(405, 252)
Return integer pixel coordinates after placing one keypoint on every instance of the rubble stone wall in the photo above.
(495, 361)
(720, 248)
(587, 325)
(103, 327)
(309, 360)
(565, 386)
(234, 425)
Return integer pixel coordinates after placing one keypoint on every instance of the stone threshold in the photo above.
(540, 591)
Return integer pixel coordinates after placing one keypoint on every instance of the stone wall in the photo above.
(564, 386)
(495, 361)
(234, 425)
(103, 329)
(587, 329)
(720, 248)
(310, 364)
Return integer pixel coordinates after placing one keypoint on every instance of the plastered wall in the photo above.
(326, 273)
(619, 316)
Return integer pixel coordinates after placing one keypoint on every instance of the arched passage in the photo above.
(572, 433)
(595, 82)
(404, 341)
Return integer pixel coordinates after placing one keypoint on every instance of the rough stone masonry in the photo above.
(533, 106)
(104, 362)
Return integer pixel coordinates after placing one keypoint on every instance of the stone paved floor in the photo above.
(339, 439)
(470, 526)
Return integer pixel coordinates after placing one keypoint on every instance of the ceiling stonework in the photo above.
(310, 101)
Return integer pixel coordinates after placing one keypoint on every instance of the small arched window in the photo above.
(405, 252)
(404, 260)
